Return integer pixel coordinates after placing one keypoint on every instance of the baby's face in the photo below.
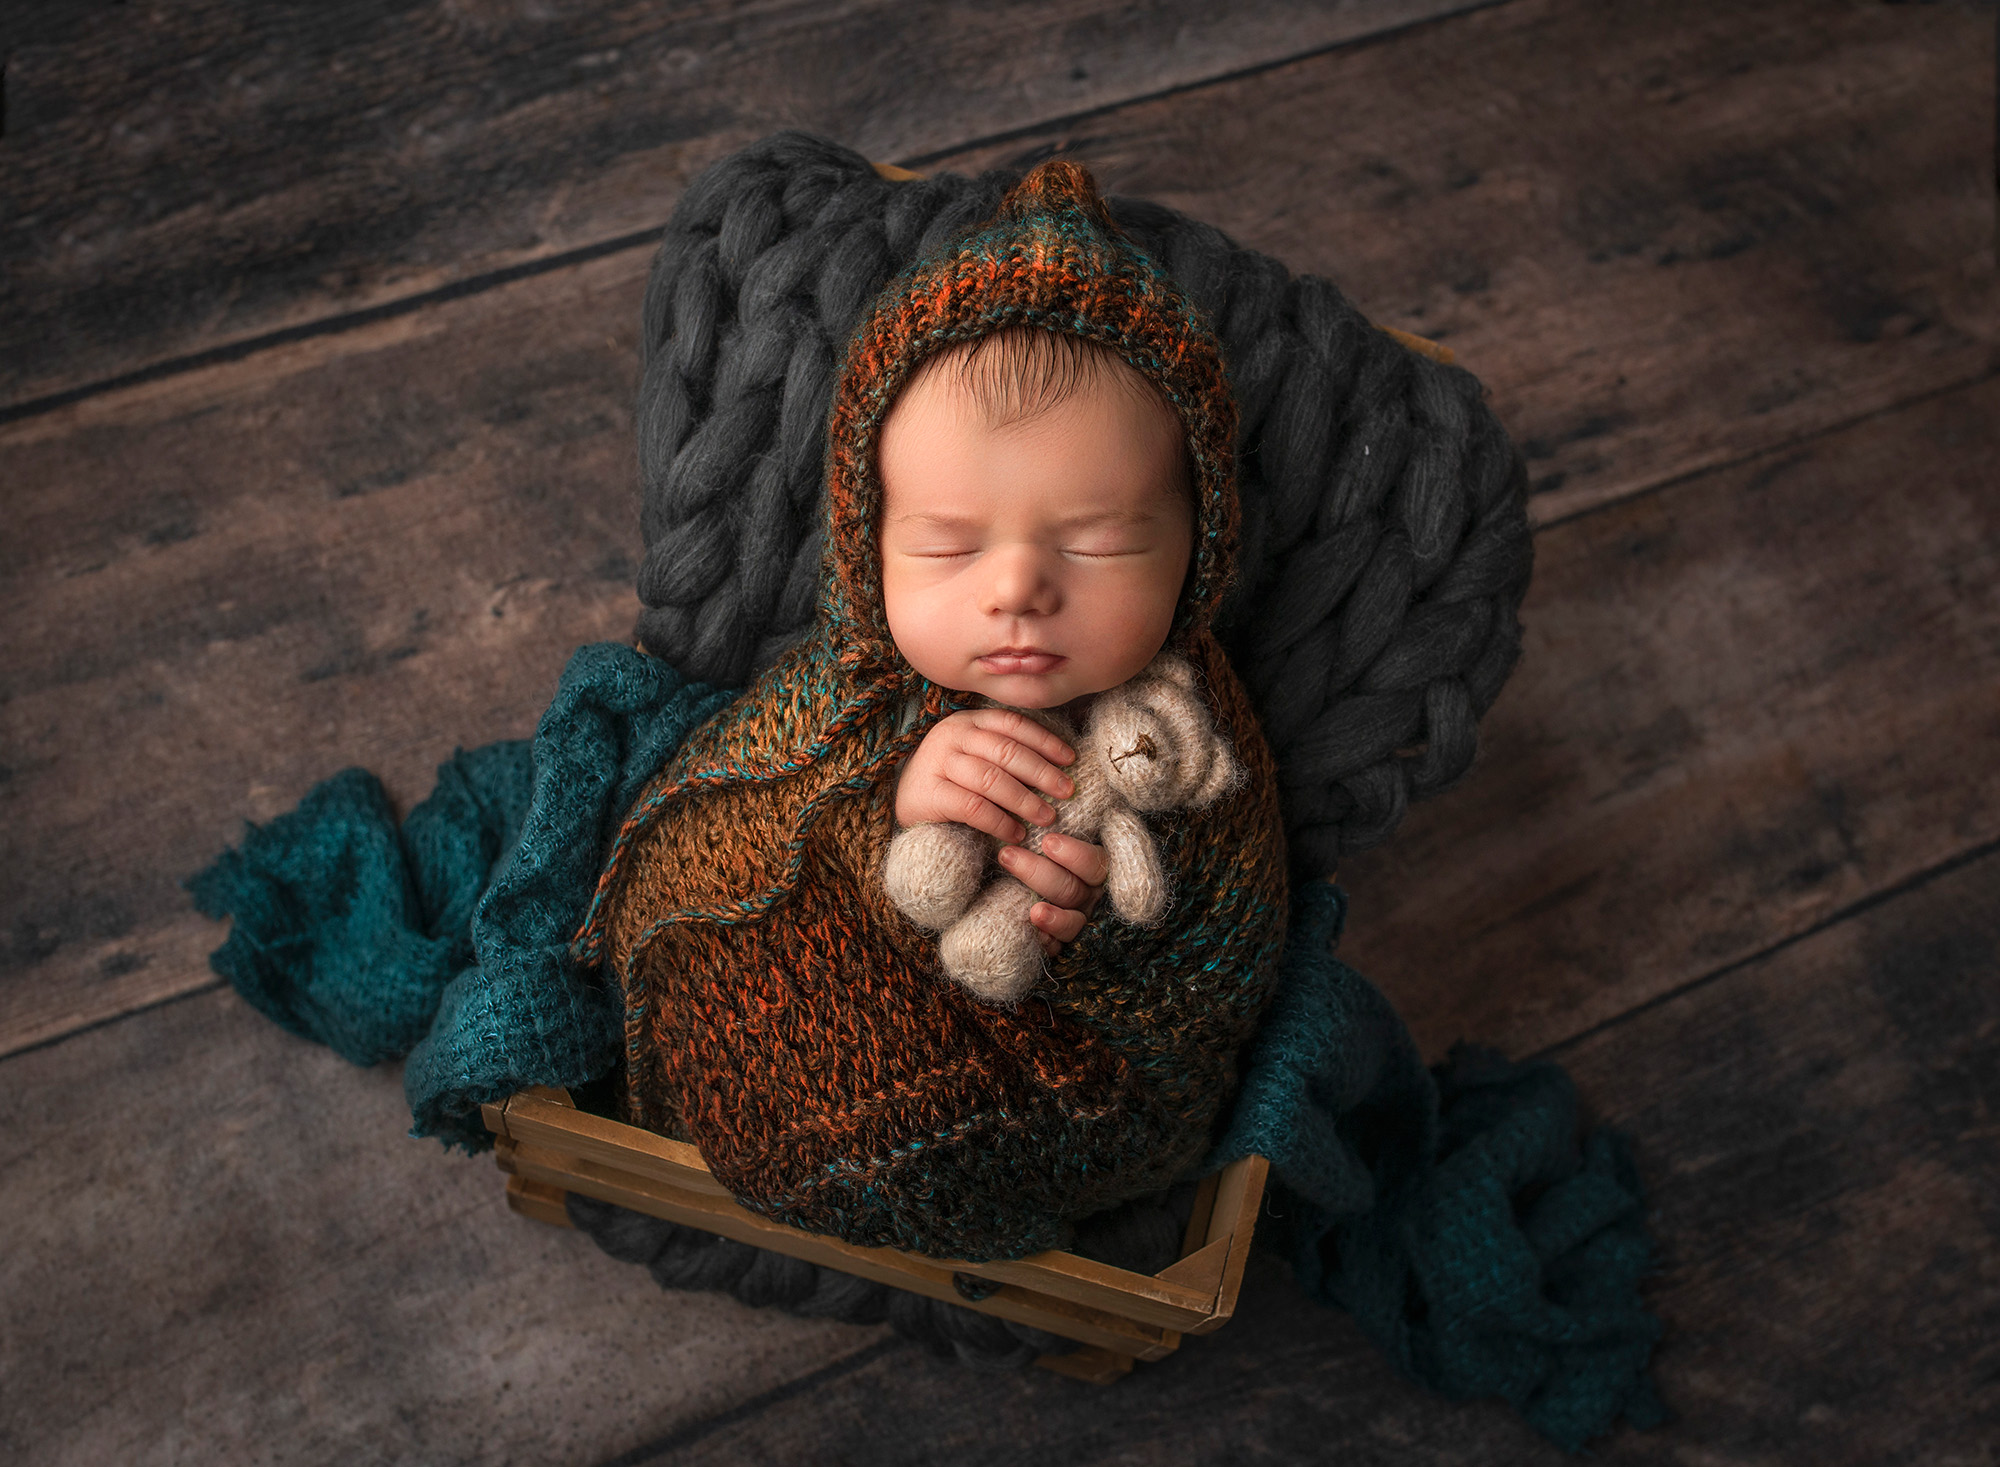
(1035, 561)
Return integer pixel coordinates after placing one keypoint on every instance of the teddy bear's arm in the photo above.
(1137, 884)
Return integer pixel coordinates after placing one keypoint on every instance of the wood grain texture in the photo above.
(223, 1249)
(1755, 700)
(226, 587)
(1744, 704)
(1664, 236)
(1817, 1131)
(177, 177)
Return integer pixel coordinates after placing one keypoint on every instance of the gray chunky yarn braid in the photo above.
(1385, 540)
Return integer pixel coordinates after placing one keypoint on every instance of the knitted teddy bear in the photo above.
(1146, 745)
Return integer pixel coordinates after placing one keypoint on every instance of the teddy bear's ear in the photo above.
(1168, 667)
(1224, 775)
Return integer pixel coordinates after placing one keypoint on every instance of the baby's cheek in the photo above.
(923, 626)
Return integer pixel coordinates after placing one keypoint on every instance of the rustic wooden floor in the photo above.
(316, 357)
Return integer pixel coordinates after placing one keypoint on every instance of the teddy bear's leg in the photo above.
(1137, 883)
(994, 950)
(932, 872)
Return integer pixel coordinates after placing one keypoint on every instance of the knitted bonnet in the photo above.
(1051, 259)
(780, 1012)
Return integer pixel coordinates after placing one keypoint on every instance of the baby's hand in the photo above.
(1068, 875)
(990, 769)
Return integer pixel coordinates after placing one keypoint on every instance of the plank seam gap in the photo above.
(52, 1040)
(1810, 435)
(1857, 908)
(344, 321)
(698, 1431)
(236, 351)
(1180, 89)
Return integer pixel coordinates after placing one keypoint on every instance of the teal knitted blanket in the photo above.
(1456, 1215)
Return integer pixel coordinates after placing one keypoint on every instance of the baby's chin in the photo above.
(1030, 691)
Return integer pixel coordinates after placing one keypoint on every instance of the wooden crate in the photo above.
(549, 1147)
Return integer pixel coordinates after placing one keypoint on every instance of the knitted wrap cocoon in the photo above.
(780, 1012)
(1384, 546)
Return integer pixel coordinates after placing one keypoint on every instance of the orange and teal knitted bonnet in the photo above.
(779, 1012)
(1053, 260)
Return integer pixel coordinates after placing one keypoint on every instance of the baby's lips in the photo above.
(1032, 663)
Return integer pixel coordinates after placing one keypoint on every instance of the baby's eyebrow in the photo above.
(932, 517)
(1107, 517)
(938, 520)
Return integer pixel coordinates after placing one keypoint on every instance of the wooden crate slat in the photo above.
(1065, 1317)
(1091, 1365)
(1196, 1232)
(1200, 1270)
(1239, 1195)
(563, 1128)
(1169, 1301)
(542, 1201)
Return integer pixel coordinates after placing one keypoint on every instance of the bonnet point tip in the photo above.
(1058, 186)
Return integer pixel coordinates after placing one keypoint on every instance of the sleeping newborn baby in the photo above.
(1037, 521)
(1030, 516)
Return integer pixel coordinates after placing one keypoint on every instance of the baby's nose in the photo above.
(1022, 581)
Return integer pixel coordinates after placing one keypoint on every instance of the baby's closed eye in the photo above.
(1106, 547)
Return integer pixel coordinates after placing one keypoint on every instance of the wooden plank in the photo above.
(1745, 705)
(1196, 1234)
(226, 587)
(595, 1139)
(1200, 1271)
(1689, 233)
(1238, 1202)
(1816, 1133)
(1122, 1329)
(188, 176)
(222, 1248)
(537, 1201)
(1090, 1365)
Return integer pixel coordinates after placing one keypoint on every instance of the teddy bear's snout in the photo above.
(1142, 748)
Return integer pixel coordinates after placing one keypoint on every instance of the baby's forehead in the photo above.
(1020, 373)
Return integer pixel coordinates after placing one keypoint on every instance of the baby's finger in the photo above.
(1023, 730)
(962, 805)
(1080, 858)
(1057, 922)
(1027, 766)
(1047, 880)
(989, 782)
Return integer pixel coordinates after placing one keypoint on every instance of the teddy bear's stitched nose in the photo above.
(1145, 748)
